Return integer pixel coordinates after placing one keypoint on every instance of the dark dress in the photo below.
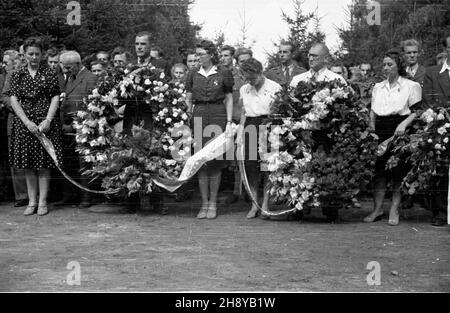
(208, 95)
(34, 96)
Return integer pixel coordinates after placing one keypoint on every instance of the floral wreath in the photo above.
(127, 163)
(324, 150)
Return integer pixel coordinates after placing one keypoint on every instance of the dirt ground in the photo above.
(177, 252)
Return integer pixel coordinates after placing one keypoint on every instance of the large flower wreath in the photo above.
(128, 164)
(426, 149)
(322, 149)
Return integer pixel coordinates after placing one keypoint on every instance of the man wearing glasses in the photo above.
(318, 58)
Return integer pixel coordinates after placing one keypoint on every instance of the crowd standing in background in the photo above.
(42, 89)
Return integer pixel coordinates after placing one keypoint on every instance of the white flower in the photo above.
(162, 75)
(168, 120)
(442, 130)
(430, 141)
(445, 140)
(184, 116)
(148, 82)
(440, 117)
(438, 146)
(175, 114)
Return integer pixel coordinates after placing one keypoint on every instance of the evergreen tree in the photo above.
(304, 30)
(104, 24)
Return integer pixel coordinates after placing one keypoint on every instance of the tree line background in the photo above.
(104, 24)
(107, 24)
(427, 21)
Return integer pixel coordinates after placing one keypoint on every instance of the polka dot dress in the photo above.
(34, 95)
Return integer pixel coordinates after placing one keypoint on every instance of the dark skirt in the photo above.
(26, 151)
(252, 137)
(212, 117)
(385, 128)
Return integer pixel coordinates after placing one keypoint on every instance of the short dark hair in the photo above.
(210, 48)
(98, 62)
(158, 49)
(144, 34)
(395, 55)
(241, 51)
(33, 42)
(228, 48)
(51, 53)
(287, 43)
(444, 41)
(251, 66)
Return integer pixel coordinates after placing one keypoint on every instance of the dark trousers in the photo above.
(135, 114)
(73, 165)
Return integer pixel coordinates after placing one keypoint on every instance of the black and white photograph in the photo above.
(224, 153)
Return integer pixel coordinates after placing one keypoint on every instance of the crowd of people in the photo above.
(42, 89)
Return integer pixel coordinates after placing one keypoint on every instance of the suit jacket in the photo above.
(436, 87)
(420, 75)
(276, 74)
(6, 99)
(75, 91)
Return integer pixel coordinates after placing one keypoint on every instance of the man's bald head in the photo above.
(318, 56)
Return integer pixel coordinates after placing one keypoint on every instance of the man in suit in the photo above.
(10, 58)
(80, 83)
(135, 113)
(436, 93)
(284, 73)
(411, 52)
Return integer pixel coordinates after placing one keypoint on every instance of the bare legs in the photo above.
(378, 197)
(38, 181)
(209, 183)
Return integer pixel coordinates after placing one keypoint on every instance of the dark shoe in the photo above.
(163, 210)
(438, 222)
(20, 203)
(232, 199)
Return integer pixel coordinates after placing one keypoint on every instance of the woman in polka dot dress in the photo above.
(35, 99)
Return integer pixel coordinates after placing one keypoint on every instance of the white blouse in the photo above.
(257, 103)
(387, 100)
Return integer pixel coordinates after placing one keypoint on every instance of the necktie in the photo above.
(314, 76)
(287, 75)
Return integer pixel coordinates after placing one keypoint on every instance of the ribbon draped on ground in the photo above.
(215, 148)
(48, 146)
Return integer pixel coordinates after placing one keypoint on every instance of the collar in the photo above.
(290, 66)
(262, 88)
(212, 71)
(445, 66)
(415, 67)
(399, 82)
(320, 72)
(145, 61)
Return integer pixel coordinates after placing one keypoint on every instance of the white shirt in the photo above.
(323, 75)
(445, 66)
(412, 70)
(212, 70)
(387, 100)
(257, 102)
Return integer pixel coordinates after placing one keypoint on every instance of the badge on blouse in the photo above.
(216, 83)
